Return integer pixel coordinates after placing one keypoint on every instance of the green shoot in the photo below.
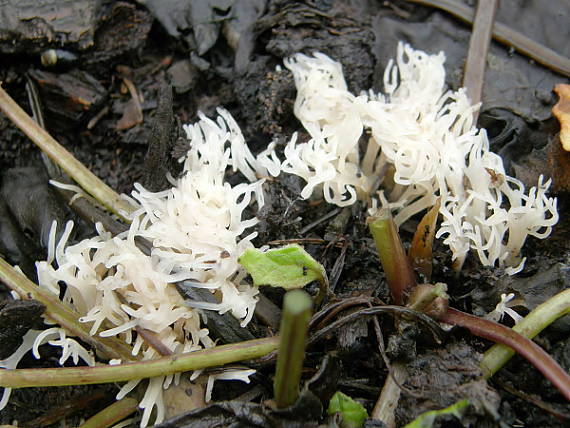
(427, 419)
(353, 413)
(288, 267)
(112, 414)
(294, 323)
(399, 273)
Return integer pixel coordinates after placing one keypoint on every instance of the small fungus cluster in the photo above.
(421, 144)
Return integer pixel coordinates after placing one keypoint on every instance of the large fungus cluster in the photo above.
(197, 230)
(416, 142)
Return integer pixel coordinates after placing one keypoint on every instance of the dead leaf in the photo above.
(184, 397)
(562, 112)
(132, 114)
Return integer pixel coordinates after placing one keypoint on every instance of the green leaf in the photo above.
(426, 420)
(288, 267)
(353, 413)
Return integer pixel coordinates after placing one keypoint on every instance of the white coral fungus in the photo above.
(197, 229)
(502, 308)
(426, 135)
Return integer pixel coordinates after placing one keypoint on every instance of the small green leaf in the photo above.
(288, 267)
(353, 413)
(426, 420)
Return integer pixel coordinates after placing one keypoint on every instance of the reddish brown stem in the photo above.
(525, 347)
(397, 267)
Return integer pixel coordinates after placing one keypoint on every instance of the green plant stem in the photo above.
(109, 416)
(224, 354)
(536, 321)
(397, 268)
(525, 347)
(57, 311)
(294, 322)
(57, 153)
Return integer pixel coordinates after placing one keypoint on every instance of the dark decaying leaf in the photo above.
(306, 412)
(15, 246)
(508, 75)
(243, 15)
(450, 375)
(16, 318)
(224, 327)
(324, 382)
(32, 202)
(222, 414)
(172, 14)
(204, 17)
(123, 29)
(549, 161)
(70, 97)
(237, 414)
(206, 22)
(158, 160)
(26, 28)
(531, 291)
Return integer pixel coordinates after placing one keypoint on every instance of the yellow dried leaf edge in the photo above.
(562, 112)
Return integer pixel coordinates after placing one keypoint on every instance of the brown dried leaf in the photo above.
(420, 253)
(562, 112)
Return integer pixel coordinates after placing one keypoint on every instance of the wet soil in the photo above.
(104, 100)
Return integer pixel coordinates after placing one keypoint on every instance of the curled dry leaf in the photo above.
(421, 252)
(562, 112)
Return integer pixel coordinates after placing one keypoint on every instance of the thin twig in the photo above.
(318, 221)
(474, 75)
(320, 319)
(547, 407)
(56, 152)
(376, 310)
(63, 315)
(69, 407)
(153, 340)
(507, 36)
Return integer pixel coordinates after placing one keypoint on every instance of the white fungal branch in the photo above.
(425, 135)
(198, 231)
(330, 114)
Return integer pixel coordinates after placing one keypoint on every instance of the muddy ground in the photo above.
(105, 100)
